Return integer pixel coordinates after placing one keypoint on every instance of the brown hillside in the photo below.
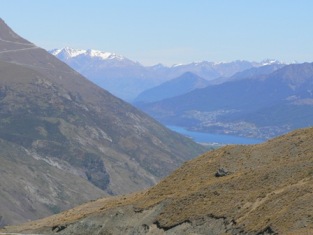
(268, 190)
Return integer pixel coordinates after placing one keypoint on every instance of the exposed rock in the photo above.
(58, 228)
(221, 172)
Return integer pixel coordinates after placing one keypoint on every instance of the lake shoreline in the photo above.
(214, 139)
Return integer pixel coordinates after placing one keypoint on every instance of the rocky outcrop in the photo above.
(221, 172)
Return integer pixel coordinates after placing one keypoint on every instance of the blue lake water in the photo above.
(202, 137)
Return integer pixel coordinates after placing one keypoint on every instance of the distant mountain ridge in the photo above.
(175, 87)
(127, 79)
(188, 82)
(252, 73)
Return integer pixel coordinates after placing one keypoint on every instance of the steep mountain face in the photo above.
(68, 140)
(260, 106)
(33, 187)
(257, 189)
(127, 79)
(177, 86)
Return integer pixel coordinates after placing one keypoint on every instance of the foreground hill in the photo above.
(267, 189)
(259, 106)
(60, 135)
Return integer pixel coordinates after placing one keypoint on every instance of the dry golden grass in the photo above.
(269, 185)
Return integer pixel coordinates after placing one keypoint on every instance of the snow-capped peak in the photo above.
(69, 53)
(269, 62)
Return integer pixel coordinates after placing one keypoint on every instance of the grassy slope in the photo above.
(270, 185)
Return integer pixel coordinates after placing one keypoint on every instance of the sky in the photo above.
(170, 31)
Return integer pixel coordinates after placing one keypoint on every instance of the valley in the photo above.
(156, 118)
(258, 106)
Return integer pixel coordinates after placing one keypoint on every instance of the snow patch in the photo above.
(177, 65)
(269, 62)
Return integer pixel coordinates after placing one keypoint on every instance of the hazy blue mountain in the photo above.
(260, 106)
(255, 72)
(177, 86)
(190, 81)
(127, 79)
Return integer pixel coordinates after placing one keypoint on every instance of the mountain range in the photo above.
(258, 189)
(253, 103)
(65, 140)
(127, 79)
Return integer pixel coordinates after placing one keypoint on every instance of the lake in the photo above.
(202, 137)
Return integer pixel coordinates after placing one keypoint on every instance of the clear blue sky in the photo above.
(170, 31)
